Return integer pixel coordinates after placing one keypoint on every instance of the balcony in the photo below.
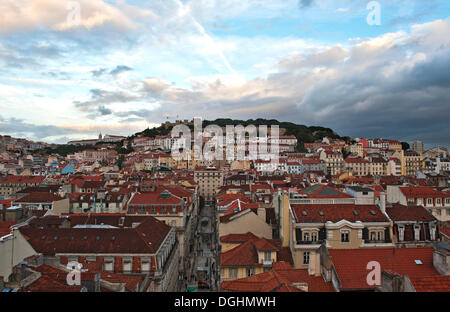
(385, 241)
(318, 242)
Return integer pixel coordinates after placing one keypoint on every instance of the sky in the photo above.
(73, 69)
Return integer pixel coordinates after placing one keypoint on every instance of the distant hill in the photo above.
(303, 133)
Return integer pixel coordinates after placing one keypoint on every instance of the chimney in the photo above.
(382, 202)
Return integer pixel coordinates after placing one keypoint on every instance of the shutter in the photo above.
(387, 236)
(365, 234)
(322, 234)
(298, 235)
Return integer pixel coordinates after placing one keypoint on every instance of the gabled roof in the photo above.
(246, 254)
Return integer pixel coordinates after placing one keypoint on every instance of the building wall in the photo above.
(13, 249)
(61, 206)
(241, 272)
(249, 222)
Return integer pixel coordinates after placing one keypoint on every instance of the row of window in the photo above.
(429, 201)
(143, 210)
(439, 211)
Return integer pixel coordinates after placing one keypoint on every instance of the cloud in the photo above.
(98, 72)
(120, 69)
(61, 15)
(305, 3)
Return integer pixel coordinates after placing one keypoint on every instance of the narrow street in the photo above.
(205, 267)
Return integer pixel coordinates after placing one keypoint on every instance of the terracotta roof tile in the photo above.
(351, 264)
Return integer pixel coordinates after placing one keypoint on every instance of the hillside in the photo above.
(303, 133)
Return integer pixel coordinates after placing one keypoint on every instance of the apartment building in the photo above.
(413, 162)
(209, 180)
(146, 247)
(12, 184)
(436, 202)
(334, 161)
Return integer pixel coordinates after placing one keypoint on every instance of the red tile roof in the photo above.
(420, 192)
(237, 238)
(351, 264)
(144, 239)
(337, 212)
(281, 278)
(155, 198)
(39, 197)
(5, 227)
(400, 212)
(246, 254)
(22, 179)
(432, 284)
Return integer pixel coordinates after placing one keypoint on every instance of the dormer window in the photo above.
(345, 236)
(417, 232)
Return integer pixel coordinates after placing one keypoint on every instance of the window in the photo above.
(438, 201)
(345, 236)
(250, 271)
(174, 209)
(380, 236)
(267, 256)
(448, 212)
(232, 273)
(141, 210)
(145, 265)
(306, 257)
(152, 209)
(438, 211)
(306, 237)
(314, 236)
(429, 201)
(163, 209)
(127, 265)
(109, 266)
(447, 201)
(373, 236)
